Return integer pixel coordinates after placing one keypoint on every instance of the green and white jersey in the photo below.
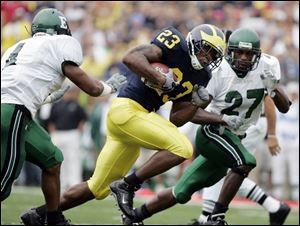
(32, 68)
(240, 96)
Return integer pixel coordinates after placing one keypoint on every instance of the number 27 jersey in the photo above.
(240, 96)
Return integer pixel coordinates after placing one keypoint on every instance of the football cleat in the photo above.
(128, 221)
(124, 194)
(31, 217)
(216, 219)
(62, 221)
(279, 217)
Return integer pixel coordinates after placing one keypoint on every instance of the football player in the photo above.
(278, 211)
(236, 91)
(132, 121)
(31, 70)
(265, 127)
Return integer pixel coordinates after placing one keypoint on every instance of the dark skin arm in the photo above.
(82, 80)
(138, 60)
(183, 112)
(205, 117)
(270, 112)
(281, 100)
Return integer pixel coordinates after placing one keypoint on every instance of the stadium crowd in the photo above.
(106, 30)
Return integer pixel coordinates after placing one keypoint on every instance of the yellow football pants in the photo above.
(129, 127)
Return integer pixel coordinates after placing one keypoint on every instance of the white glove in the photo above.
(170, 83)
(200, 95)
(56, 95)
(233, 121)
(269, 80)
(116, 81)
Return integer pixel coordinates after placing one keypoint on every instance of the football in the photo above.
(160, 67)
(164, 69)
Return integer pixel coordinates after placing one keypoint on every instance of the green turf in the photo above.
(105, 212)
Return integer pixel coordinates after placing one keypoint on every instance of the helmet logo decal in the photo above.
(214, 40)
(245, 45)
(63, 23)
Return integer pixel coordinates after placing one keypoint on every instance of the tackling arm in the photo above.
(91, 86)
(182, 112)
(82, 80)
(205, 117)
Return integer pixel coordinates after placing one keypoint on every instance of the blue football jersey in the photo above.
(175, 55)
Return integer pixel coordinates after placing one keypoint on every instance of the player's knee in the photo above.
(79, 192)
(5, 195)
(53, 170)
(98, 191)
(99, 195)
(243, 170)
(182, 197)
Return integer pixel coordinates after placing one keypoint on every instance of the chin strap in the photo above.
(194, 61)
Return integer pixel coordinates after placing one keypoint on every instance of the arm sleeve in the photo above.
(66, 48)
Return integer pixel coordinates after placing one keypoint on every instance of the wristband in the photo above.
(106, 89)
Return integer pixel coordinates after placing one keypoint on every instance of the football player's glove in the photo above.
(233, 121)
(169, 84)
(56, 95)
(116, 81)
(270, 81)
(200, 96)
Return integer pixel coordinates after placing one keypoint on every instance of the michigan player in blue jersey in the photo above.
(132, 122)
(245, 73)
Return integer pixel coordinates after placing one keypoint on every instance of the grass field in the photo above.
(105, 212)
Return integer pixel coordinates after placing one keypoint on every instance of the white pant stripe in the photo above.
(13, 155)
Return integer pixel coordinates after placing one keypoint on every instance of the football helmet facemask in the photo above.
(208, 41)
(243, 39)
(50, 21)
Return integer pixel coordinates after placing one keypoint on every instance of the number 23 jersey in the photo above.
(175, 55)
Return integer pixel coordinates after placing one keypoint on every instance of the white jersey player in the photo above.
(237, 93)
(30, 71)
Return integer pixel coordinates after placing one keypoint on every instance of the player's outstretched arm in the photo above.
(91, 86)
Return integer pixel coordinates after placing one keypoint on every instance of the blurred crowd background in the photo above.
(106, 30)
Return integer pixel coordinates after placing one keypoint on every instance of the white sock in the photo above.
(271, 204)
(249, 189)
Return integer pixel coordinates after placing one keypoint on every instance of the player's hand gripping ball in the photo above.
(171, 79)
